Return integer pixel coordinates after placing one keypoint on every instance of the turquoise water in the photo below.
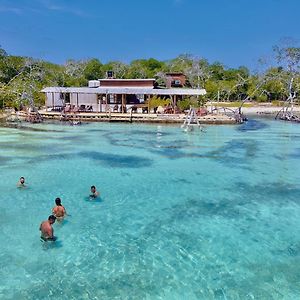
(204, 215)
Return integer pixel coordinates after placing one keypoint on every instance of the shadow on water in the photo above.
(279, 192)
(252, 125)
(43, 158)
(51, 245)
(134, 139)
(195, 208)
(33, 147)
(149, 133)
(73, 138)
(117, 160)
(236, 153)
(98, 130)
(93, 200)
(182, 180)
(4, 160)
(28, 128)
(296, 154)
(62, 222)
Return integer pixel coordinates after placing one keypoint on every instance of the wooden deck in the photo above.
(131, 117)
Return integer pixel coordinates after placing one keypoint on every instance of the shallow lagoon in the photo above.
(211, 215)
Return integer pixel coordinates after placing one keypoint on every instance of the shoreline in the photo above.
(265, 110)
(259, 110)
(213, 119)
(129, 117)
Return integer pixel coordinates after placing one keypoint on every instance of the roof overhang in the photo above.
(125, 90)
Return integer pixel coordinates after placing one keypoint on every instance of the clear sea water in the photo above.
(201, 215)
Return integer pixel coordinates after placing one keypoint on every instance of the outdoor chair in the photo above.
(67, 109)
(177, 110)
(82, 107)
(89, 108)
(75, 109)
(168, 109)
(202, 112)
(160, 110)
(134, 109)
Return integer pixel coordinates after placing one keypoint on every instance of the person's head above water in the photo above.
(51, 219)
(58, 201)
(22, 180)
(93, 189)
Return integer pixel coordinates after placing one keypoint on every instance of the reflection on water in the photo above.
(117, 160)
(252, 124)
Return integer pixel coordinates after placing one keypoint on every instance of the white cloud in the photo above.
(50, 5)
(177, 2)
(10, 9)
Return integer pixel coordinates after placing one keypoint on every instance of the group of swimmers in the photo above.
(58, 213)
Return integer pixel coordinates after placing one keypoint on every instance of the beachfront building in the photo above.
(175, 79)
(115, 95)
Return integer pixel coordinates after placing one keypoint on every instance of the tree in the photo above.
(120, 69)
(288, 58)
(93, 69)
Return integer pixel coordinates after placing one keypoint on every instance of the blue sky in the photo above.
(234, 32)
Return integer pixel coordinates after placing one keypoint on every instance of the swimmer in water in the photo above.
(59, 211)
(94, 193)
(21, 182)
(46, 229)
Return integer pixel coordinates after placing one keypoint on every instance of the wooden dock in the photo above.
(130, 117)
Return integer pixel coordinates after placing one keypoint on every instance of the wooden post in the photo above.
(106, 107)
(175, 102)
(123, 102)
(148, 98)
(99, 102)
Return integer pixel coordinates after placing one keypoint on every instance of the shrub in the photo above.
(157, 101)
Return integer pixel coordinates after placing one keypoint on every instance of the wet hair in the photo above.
(22, 178)
(51, 217)
(93, 187)
(58, 201)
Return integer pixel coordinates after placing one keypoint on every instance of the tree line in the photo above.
(22, 78)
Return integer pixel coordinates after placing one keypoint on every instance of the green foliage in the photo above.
(3, 53)
(120, 69)
(277, 103)
(157, 101)
(186, 103)
(93, 70)
(23, 74)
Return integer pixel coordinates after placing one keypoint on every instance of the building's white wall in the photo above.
(76, 99)
(87, 99)
(53, 99)
(73, 99)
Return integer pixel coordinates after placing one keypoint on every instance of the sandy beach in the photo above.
(261, 110)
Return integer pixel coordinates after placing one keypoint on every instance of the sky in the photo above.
(233, 32)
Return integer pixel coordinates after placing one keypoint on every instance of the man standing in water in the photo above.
(94, 192)
(21, 182)
(46, 229)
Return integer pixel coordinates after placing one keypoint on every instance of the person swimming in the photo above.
(47, 233)
(94, 193)
(21, 182)
(59, 211)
